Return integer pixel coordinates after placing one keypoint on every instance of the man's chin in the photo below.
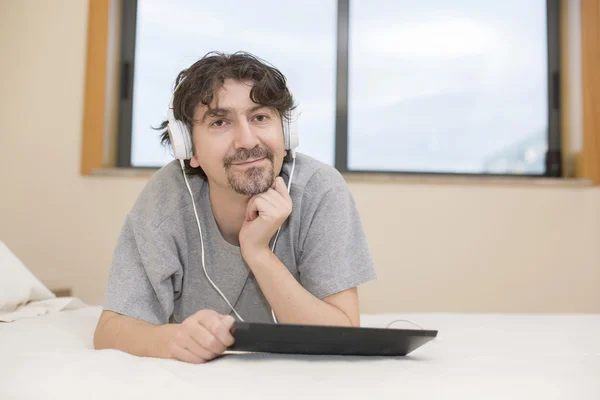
(251, 182)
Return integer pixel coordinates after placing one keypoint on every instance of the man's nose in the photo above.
(244, 136)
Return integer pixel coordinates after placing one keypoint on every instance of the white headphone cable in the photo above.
(404, 320)
(202, 243)
(181, 162)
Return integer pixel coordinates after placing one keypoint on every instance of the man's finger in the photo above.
(200, 339)
(269, 197)
(208, 340)
(262, 206)
(195, 346)
(183, 354)
(251, 210)
(282, 190)
(280, 186)
(222, 330)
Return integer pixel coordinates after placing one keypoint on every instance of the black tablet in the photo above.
(330, 340)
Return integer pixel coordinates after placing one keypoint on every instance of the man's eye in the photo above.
(262, 118)
(218, 123)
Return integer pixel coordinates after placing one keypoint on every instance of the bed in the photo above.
(48, 353)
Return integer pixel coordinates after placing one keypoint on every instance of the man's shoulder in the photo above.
(314, 177)
(164, 193)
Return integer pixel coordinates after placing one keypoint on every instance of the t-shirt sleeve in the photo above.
(335, 255)
(145, 273)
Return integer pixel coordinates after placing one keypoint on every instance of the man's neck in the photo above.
(229, 209)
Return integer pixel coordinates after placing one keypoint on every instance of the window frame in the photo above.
(553, 164)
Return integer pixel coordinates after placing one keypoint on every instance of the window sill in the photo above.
(400, 178)
(124, 172)
(479, 180)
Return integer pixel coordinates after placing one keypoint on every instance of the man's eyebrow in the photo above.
(258, 107)
(220, 112)
(215, 112)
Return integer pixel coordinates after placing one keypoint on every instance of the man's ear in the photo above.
(194, 162)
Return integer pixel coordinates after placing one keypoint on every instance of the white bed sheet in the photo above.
(474, 357)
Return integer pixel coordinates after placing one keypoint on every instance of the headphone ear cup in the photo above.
(292, 138)
(290, 134)
(286, 135)
(187, 139)
(180, 138)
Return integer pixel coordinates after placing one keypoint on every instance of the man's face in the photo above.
(238, 143)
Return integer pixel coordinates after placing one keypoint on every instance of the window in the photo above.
(435, 86)
(448, 86)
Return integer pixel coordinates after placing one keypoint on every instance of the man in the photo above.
(160, 301)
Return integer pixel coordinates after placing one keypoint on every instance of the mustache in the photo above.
(243, 155)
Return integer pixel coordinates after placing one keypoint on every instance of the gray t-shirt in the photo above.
(157, 275)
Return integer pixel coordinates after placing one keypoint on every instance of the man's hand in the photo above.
(264, 215)
(201, 337)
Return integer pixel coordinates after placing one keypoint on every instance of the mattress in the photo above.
(475, 356)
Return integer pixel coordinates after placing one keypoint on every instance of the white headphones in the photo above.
(181, 142)
(181, 138)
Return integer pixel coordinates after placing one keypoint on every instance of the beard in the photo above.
(254, 180)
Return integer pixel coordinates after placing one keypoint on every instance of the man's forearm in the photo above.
(291, 302)
(132, 336)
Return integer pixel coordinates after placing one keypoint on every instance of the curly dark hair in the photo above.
(205, 77)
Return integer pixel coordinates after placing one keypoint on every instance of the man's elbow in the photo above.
(101, 340)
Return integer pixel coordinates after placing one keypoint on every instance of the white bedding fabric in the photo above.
(474, 357)
(22, 295)
(37, 308)
(18, 285)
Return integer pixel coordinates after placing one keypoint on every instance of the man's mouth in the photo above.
(251, 161)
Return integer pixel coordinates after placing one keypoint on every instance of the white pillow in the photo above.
(18, 285)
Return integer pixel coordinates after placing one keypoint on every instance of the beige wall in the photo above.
(438, 247)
